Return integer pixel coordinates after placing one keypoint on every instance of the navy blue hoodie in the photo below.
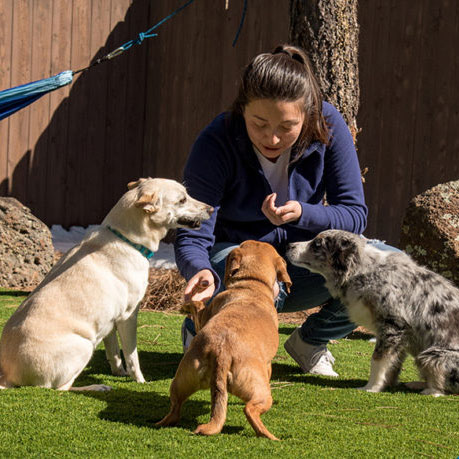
(223, 170)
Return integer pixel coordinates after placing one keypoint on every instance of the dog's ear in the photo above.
(282, 274)
(233, 263)
(345, 255)
(149, 202)
(132, 185)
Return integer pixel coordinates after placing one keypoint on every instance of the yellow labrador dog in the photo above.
(93, 291)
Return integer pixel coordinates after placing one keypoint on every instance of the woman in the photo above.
(266, 167)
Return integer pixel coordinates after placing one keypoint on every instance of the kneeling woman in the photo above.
(266, 167)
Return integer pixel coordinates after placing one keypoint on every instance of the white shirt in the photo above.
(276, 174)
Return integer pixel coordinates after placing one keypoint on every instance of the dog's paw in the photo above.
(140, 379)
(432, 391)
(168, 420)
(211, 428)
(368, 388)
(120, 371)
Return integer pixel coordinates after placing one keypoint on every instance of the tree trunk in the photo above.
(328, 30)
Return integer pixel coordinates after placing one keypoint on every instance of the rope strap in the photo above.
(136, 41)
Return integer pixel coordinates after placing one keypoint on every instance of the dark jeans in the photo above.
(308, 291)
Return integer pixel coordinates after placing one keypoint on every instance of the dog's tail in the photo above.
(440, 366)
(221, 365)
(194, 309)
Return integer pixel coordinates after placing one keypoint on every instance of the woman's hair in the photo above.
(285, 74)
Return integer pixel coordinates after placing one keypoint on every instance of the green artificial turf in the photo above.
(313, 416)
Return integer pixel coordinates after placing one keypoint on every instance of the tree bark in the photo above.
(329, 32)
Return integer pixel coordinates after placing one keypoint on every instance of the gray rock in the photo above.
(26, 247)
(430, 230)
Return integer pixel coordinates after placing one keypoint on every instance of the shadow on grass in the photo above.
(145, 408)
(156, 366)
(354, 335)
(4, 292)
(291, 373)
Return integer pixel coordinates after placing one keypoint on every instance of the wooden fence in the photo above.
(70, 154)
(409, 112)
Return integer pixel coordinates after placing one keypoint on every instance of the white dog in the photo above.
(94, 290)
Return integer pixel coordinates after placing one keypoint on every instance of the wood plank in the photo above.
(79, 105)
(115, 144)
(371, 139)
(92, 163)
(451, 165)
(57, 150)
(153, 90)
(404, 62)
(18, 141)
(39, 110)
(6, 21)
(132, 159)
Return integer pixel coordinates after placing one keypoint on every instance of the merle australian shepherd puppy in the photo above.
(409, 308)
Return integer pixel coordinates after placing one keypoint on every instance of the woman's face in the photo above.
(273, 125)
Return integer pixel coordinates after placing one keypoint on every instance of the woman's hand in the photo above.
(289, 212)
(200, 287)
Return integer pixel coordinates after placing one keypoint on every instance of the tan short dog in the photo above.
(237, 339)
(93, 291)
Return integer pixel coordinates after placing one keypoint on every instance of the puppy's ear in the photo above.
(132, 185)
(149, 202)
(282, 274)
(345, 256)
(233, 263)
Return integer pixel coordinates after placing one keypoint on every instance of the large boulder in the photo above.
(26, 247)
(430, 230)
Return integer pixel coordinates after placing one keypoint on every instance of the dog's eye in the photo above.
(183, 200)
(316, 244)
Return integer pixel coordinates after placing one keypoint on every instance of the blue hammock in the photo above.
(13, 99)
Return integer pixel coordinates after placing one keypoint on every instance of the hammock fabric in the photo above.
(13, 99)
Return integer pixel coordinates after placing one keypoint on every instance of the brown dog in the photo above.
(237, 339)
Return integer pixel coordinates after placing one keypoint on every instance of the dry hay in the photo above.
(165, 293)
(165, 290)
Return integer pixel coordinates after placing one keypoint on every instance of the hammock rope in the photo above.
(13, 99)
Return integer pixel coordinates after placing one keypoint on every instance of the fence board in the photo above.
(39, 111)
(6, 21)
(18, 140)
(134, 123)
(97, 112)
(51, 152)
(116, 105)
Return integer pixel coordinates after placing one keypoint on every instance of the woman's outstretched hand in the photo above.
(200, 287)
(289, 212)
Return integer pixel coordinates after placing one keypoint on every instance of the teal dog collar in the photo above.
(146, 252)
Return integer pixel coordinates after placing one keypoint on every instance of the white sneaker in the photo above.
(316, 360)
(187, 337)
